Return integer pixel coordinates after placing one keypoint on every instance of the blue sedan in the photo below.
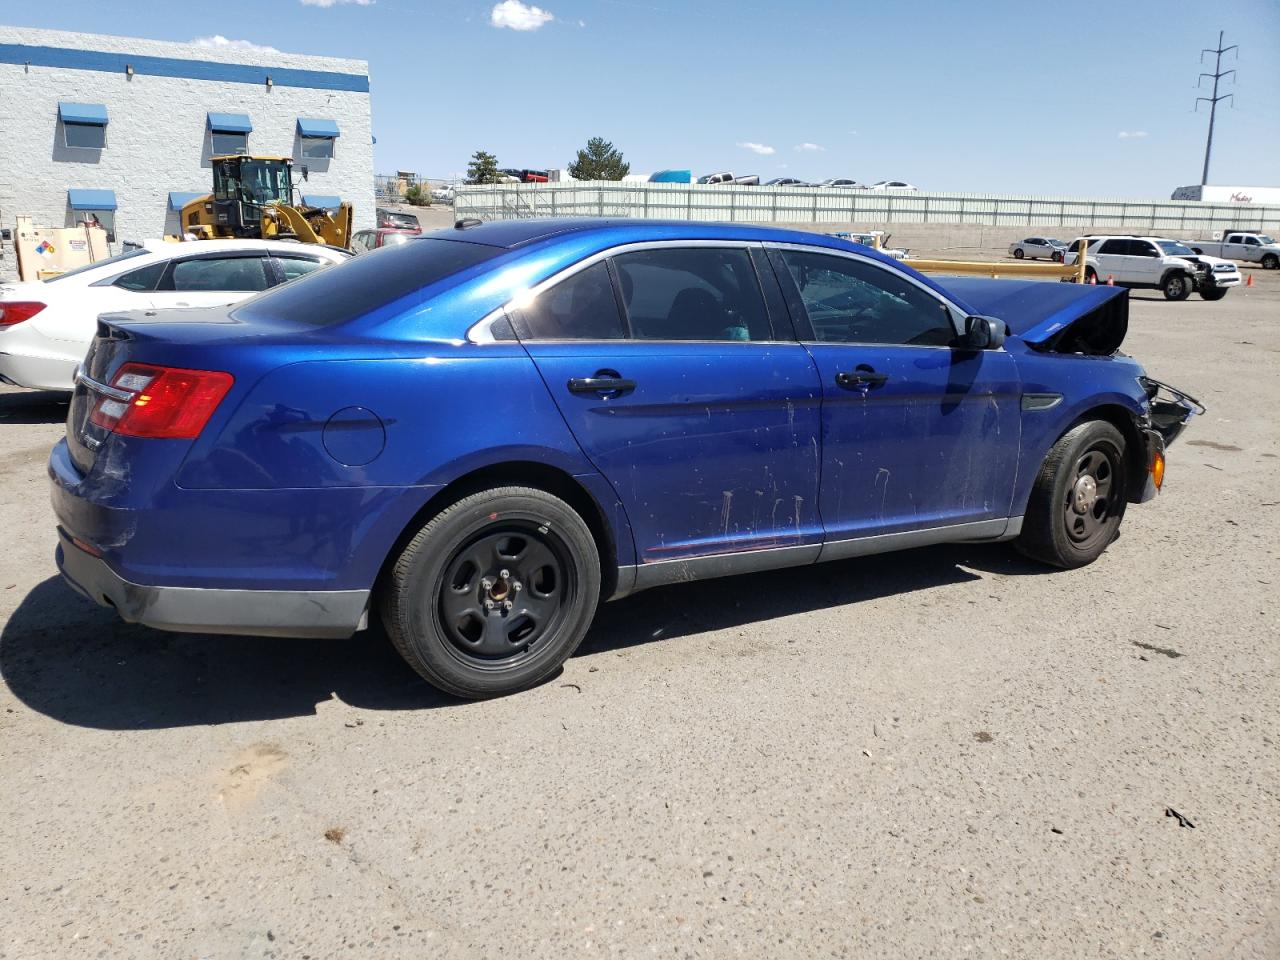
(480, 434)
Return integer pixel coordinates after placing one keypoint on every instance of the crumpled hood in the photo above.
(1035, 311)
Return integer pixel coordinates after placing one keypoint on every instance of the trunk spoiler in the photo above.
(1039, 313)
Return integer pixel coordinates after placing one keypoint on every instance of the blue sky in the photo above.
(1010, 97)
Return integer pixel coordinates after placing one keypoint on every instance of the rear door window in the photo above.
(580, 307)
(692, 293)
(142, 280)
(1118, 248)
(216, 274)
(293, 267)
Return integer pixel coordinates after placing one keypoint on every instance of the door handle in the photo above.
(599, 384)
(861, 378)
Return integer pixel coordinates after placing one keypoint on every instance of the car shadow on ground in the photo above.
(78, 663)
(34, 406)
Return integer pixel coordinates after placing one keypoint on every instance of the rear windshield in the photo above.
(118, 258)
(365, 283)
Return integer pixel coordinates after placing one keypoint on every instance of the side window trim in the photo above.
(804, 327)
(480, 332)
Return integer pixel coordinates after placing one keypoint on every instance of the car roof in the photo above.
(511, 234)
(598, 234)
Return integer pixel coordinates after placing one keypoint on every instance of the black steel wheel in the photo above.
(1214, 293)
(503, 591)
(1079, 497)
(1086, 508)
(494, 593)
(1176, 286)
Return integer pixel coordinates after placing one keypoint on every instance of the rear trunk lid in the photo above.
(196, 339)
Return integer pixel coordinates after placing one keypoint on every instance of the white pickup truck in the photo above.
(1234, 245)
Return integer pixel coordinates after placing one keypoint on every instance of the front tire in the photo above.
(1213, 293)
(1270, 262)
(1176, 286)
(1017, 253)
(1079, 497)
(494, 593)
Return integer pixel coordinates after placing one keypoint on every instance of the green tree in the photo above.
(599, 161)
(483, 168)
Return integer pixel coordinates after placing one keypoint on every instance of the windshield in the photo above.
(101, 263)
(1055, 243)
(1263, 238)
(1172, 248)
(259, 181)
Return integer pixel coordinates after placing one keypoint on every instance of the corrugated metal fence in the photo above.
(676, 201)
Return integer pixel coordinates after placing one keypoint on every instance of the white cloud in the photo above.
(809, 147)
(514, 15)
(326, 4)
(761, 148)
(219, 42)
(1132, 134)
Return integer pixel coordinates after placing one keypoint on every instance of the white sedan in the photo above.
(46, 326)
(894, 186)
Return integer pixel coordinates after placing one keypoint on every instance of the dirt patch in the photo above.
(251, 770)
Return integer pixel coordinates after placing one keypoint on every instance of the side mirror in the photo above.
(983, 333)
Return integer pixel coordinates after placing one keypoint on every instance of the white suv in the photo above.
(1169, 266)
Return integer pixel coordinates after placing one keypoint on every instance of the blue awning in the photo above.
(92, 199)
(90, 113)
(321, 200)
(230, 123)
(179, 199)
(310, 127)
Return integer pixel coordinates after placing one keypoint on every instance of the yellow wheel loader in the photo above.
(253, 198)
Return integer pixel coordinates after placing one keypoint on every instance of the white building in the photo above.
(122, 129)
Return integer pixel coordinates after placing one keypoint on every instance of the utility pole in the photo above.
(1218, 74)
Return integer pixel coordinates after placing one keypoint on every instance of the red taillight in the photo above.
(164, 402)
(18, 310)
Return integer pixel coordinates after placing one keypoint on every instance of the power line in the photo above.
(1218, 74)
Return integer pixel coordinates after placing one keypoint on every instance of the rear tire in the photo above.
(1214, 293)
(1017, 253)
(494, 593)
(1270, 262)
(1079, 497)
(1176, 286)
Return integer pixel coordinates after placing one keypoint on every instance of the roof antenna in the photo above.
(468, 222)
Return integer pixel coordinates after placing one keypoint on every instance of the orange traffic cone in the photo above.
(1249, 282)
(1111, 281)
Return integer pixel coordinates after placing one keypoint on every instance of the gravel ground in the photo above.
(944, 752)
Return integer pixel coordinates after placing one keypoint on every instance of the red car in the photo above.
(365, 240)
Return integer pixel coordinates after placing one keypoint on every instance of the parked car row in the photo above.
(842, 183)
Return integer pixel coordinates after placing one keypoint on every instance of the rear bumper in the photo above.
(38, 373)
(268, 613)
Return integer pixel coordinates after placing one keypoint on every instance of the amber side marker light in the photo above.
(1157, 470)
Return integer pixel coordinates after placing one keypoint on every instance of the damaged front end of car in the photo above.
(1168, 412)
